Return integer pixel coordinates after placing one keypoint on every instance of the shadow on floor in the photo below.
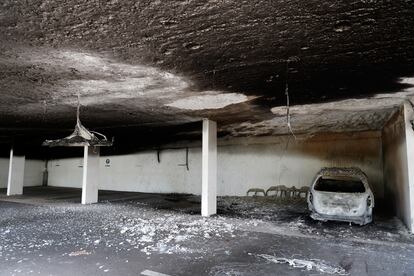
(40, 194)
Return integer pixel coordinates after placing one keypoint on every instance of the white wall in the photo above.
(398, 155)
(4, 172)
(65, 172)
(33, 172)
(266, 165)
(243, 163)
(135, 172)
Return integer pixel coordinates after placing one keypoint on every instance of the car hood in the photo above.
(340, 204)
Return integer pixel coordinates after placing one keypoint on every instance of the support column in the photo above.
(209, 169)
(398, 164)
(409, 136)
(90, 179)
(16, 174)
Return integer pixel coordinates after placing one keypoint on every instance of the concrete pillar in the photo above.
(209, 169)
(409, 136)
(90, 180)
(16, 174)
(398, 164)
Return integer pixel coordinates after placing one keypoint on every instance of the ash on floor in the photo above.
(165, 234)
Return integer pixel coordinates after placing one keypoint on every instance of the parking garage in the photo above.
(136, 136)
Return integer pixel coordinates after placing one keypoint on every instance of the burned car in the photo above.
(341, 194)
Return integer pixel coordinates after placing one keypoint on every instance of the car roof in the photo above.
(339, 171)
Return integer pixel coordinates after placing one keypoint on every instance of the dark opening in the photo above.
(340, 185)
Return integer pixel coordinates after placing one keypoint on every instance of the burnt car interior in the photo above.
(340, 185)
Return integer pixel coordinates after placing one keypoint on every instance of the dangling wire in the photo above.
(78, 110)
(44, 111)
(287, 98)
(214, 78)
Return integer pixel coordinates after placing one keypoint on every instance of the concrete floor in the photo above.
(45, 232)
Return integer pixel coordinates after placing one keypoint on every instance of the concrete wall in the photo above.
(4, 172)
(243, 163)
(398, 156)
(33, 172)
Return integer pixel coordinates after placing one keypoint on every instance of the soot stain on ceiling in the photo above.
(156, 67)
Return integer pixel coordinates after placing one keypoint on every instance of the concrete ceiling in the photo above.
(158, 67)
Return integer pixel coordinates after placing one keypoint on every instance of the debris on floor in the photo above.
(165, 232)
(312, 264)
(155, 228)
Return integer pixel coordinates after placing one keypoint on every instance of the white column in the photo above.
(398, 164)
(90, 179)
(409, 136)
(16, 174)
(209, 170)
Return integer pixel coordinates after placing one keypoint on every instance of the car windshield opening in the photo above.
(340, 185)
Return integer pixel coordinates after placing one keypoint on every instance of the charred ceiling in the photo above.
(151, 67)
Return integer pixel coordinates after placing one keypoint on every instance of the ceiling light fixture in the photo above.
(81, 136)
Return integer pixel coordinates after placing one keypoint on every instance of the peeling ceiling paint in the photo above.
(208, 101)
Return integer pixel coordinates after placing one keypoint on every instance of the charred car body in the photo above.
(341, 194)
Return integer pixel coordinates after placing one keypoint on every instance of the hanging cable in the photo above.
(287, 96)
(44, 111)
(78, 110)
